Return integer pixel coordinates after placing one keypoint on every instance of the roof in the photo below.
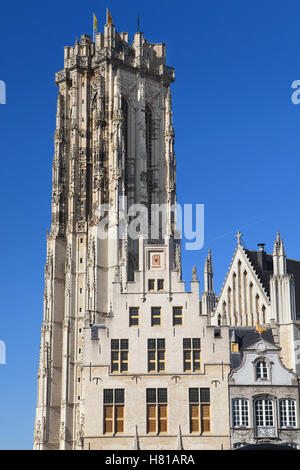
(264, 271)
(244, 337)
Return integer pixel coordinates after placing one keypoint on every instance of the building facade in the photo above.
(263, 393)
(129, 359)
(127, 356)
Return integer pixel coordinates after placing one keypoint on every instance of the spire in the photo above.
(208, 273)
(279, 257)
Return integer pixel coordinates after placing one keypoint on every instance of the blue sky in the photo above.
(237, 145)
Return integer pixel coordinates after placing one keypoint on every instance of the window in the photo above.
(234, 347)
(261, 369)
(113, 412)
(119, 355)
(191, 354)
(134, 316)
(150, 284)
(155, 316)
(264, 417)
(157, 410)
(149, 152)
(177, 316)
(287, 410)
(199, 403)
(125, 135)
(240, 412)
(160, 284)
(156, 355)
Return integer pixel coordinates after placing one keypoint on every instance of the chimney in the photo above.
(261, 256)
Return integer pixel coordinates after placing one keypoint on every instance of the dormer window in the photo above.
(261, 370)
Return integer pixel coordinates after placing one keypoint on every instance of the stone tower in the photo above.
(114, 144)
(117, 320)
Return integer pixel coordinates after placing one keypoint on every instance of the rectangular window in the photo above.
(157, 410)
(156, 355)
(119, 355)
(287, 413)
(240, 412)
(113, 411)
(191, 354)
(150, 284)
(177, 316)
(160, 284)
(134, 316)
(155, 316)
(199, 403)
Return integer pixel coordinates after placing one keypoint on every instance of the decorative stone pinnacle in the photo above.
(239, 236)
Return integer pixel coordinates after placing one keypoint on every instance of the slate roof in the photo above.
(264, 270)
(244, 337)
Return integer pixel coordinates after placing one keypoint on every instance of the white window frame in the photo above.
(262, 369)
(287, 414)
(240, 413)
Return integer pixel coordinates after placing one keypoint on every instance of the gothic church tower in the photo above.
(123, 344)
(114, 144)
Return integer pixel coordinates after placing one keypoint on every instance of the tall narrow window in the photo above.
(199, 400)
(134, 316)
(113, 411)
(261, 369)
(156, 355)
(119, 355)
(157, 410)
(264, 417)
(240, 412)
(125, 133)
(177, 316)
(149, 151)
(155, 316)
(287, 410)
(191, 354)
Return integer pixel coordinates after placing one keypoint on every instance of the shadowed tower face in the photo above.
(114, 147)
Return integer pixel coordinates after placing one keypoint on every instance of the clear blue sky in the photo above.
(237, 145)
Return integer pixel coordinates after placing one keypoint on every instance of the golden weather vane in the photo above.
(260, 329)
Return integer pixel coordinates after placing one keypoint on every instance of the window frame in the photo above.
(133, 317)
(192, 351)
(114, 405)
(243, 413)
(156, 356)
(159, 407)
(155, 316)
(176, 316)
(119, 353)
(201, 406)
(262, 369)
(291, 414)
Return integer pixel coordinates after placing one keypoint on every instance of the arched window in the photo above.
(263, 314)
(125, 134)
(149, 152)
(264, 417)
(219, 320)
(261, 370)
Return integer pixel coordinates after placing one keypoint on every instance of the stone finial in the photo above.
(239, 236)
(194, 274)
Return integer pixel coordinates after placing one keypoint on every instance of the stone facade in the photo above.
(264, 395)
(130, 359)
